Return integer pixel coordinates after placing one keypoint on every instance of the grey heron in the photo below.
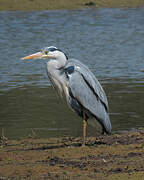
(81, 89)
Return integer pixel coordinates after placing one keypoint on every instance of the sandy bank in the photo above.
(27, 5)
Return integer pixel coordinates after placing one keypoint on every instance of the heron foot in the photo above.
(83, 145)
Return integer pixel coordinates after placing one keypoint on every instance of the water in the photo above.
(109, 41)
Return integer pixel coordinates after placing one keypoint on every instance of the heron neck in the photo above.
(56, 76)
(57, 64)
(53, 64)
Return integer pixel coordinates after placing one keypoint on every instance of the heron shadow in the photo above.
(72, 145)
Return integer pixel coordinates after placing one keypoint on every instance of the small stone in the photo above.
(89, 3)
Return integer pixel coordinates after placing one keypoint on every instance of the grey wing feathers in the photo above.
(88, 92)
(90, 79)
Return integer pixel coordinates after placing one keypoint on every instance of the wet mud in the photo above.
(118, 156)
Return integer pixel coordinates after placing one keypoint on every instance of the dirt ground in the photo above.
(27, 5)
(114, 157)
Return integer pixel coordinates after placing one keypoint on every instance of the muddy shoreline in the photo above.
(118, 156)
(28, 5)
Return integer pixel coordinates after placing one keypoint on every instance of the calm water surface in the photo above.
(109, 41)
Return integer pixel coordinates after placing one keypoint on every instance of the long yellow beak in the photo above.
(37, 55)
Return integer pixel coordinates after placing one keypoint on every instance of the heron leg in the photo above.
(84, 128)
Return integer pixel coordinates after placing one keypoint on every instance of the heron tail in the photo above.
(106, 124)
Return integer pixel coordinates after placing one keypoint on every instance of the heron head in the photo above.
(47, 53)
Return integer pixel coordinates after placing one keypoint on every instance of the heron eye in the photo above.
(46, 52)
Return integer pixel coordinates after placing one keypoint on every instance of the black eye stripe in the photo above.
(52, 49)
